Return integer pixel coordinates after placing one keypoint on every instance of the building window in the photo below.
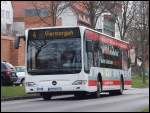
(30, 12)
(36, 12)
(43, 12)
(109, 25)
(7, 14)
(8, 28)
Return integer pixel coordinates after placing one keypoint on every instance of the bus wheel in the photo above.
(23, 82)
(99, 89)
(121, 86)
(46, 96)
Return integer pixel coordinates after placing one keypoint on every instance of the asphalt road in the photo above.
(132, 100)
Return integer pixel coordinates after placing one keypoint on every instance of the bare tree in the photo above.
(139, 35)
(142, 26)
(94, 9)
(125, 20)
(54, 9)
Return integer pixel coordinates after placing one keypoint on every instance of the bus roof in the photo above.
(105, 35)
(82, 27)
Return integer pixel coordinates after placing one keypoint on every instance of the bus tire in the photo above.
(120, 92)
(46, 96)
(23, 82)
(99, 89)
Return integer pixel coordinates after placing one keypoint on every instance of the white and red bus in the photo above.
(75, 60)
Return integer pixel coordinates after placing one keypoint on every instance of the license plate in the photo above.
(55, 89)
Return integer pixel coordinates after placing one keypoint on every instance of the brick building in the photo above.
(26, 16)
(8, 53)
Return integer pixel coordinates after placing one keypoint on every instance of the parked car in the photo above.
(20, 70)
(8, 74)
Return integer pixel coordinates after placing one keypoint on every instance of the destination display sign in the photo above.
(54, 33)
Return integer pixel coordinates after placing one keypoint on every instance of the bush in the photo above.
(137, 82)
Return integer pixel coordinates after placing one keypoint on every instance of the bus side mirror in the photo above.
(17, 40)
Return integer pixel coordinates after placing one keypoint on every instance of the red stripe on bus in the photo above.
(91, 82)
(109, 82)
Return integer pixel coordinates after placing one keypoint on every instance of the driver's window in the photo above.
(89, 55)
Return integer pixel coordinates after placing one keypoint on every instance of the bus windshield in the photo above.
(54, 55)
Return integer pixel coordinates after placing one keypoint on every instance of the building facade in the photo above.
(6, 18)
(29, 14)
(8, 52)
(73, 16)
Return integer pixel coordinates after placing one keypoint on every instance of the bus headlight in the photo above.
(79, 82)
(30, 84)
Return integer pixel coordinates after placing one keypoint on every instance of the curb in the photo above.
(19, 98)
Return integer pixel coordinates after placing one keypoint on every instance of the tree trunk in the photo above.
(143, 56)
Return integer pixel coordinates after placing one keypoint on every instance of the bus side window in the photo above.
(96, 54)
(89, 46)
(89, 53)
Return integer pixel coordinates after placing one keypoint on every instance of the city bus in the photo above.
(74, 60)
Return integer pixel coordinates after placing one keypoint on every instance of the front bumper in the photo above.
(40, 89)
